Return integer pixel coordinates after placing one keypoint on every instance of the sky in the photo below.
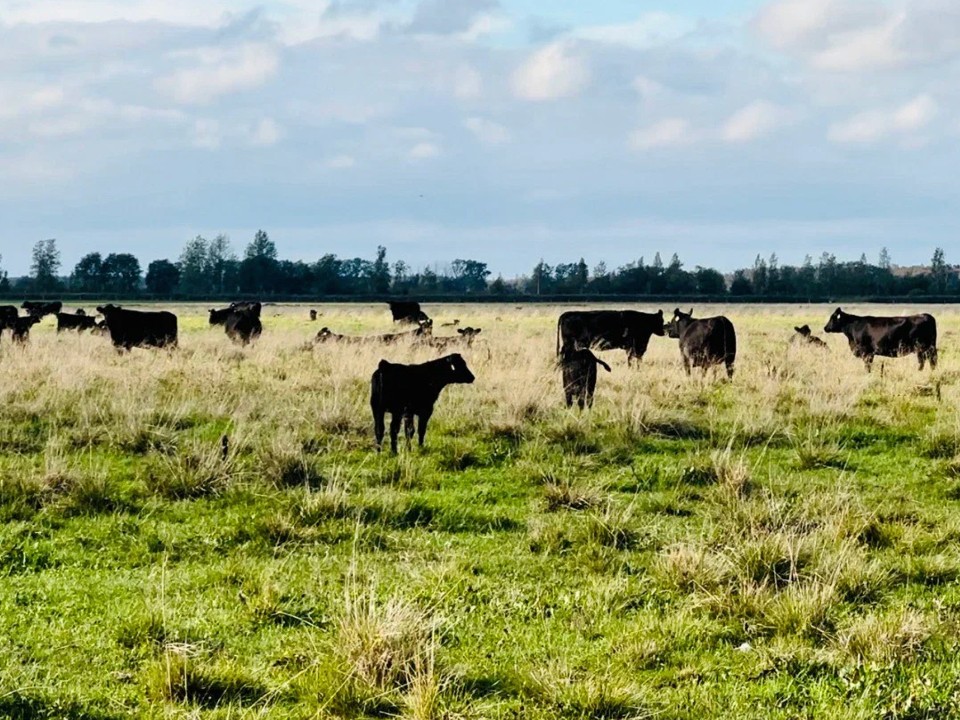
(500, 130)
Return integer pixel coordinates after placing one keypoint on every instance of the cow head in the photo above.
(107, 310)
(426, 326)
(678, 323)
(469, 333)
(836, 322)
(803, 330)
(456, 370)
(219, 317)
(658, 323)
(324, 334)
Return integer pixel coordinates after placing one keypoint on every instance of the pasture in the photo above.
(781, 545)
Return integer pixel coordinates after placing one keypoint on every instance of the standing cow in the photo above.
(408, 390)
(704, 342)
(40, 309)
(241, 321)
(407, 311)
(579, 368)
(134, 328)
(887, 336)
(608, 330)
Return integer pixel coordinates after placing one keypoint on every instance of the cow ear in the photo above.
(691, 312)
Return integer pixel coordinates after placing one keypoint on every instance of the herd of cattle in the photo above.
(408, 391)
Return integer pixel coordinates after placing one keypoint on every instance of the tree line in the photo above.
(211, 268)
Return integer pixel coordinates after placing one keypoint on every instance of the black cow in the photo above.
(704, 342)
(135, 328)
(887, 336)
(40, 309)
(247, 306)
(81, 311)
(464, 336)
(408, 390)
(608, 329)
(243, 326)
(805, 337)
(579, 375)
(313, 315)
(20, 328)
(8, 313)
(78, 322)
(406, 311)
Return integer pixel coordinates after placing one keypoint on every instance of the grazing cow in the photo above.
(887, 336)
(20, 328)
(704, 342)
(464, 336)
(804, 337)
(408, 390)
(135, 328)
(405, 311)
(608, 329)
(40, 309)
(580, 375)
(66, 321)
(421, 334)
(243, 326)
(313, 316)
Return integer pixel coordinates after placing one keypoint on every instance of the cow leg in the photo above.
(395, 419)
(422, 421)
(686, 365)
(932, 356)
(868, 361)
(568, 396)
(408, 427)
(921, 356)
(729, 364)
(378, 426)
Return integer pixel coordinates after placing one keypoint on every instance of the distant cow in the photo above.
(887, 336)
(20, 328)
(241, 321)
(805, 337)
(420, 334)
(464, 336)
(406, 311)
(579, 375)
(66, 321)
(406, 391)
(40, 309)
(135, 328)
(452, 323)
(313, 315)
(608, 329)
(704, 342)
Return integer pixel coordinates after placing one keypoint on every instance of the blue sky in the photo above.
(502, 130)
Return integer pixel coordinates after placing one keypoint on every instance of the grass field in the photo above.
(783, 545)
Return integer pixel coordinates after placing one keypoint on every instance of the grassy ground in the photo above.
(783, 545)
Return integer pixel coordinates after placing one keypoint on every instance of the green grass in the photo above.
(783, 545)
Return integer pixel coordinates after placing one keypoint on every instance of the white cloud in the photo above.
(424, 151)
(874, 125)
(341, 162)
(653, 28)
(550, 73)
(755, 120)
(266, 133)
(467, 83)
(206, 134)
(221, 72)
(487, 131)
(869, 48)
(666, 133)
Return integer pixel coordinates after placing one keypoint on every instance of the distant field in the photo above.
(783, 545)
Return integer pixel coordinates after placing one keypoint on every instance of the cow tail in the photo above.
(602, 364)
(559, 320)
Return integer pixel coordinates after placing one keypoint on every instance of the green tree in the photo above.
(121, 274)
(938, 272)
(498, 286)
(4, 280)
(259, 270)
(45, 265)
(471, 275)
(87, 275)
(709, 281)
(162, 277)
(884, 261)
(219, 265)
(741, 284)
(193, 267)
(380, 272)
